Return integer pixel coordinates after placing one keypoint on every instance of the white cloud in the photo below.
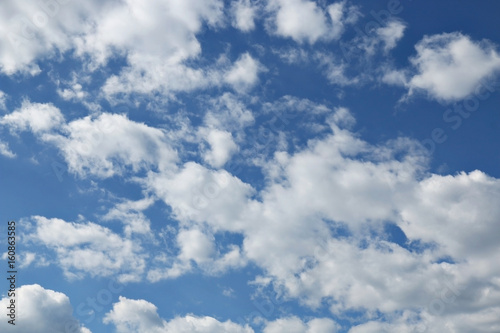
(451, 65)
(88, 248)
(485, 321)
(3, 99)
(222, 147)
(196, 194)
(244, 73)
(140, 316)
(305, 21)
(5, 150)
(130, 213)
(243, 12)
(37, 30)
(74, 92)
(195, 245)
(155, 37)
(105, 145)
(391, 34)
(293, 56)
(41, 310)
(227, 113)
(295, 325)
(37, 117)
(335, 69)
(460, 210)
(379, 40)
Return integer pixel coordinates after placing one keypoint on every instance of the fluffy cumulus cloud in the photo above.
(130, 213)
(306, 21)
(88, 248)
(244, 12)
(244, 74)
(140, 316)
(450, 66)
(105, 145)
(385, 37)
(36, 117)
(41, 310)
(222, 146)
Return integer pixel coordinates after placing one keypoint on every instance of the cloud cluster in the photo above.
(311, 200)
(332, 221)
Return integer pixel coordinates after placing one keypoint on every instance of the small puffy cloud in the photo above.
(88, 248)
(228, 113)
(41, 310)
(334, 69)
(74, 92)
(222, 147)
(243, 12)
(306, 21)
(244, 73)
(5, 150)
(295, 325)
(391, 34)
(140, 316)
(36, 117)
(130, 213)
(451, 65)
(379, 40)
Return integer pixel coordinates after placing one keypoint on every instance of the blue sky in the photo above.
(251, 166)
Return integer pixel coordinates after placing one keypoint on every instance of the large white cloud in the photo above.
(140, 316)
(451, 65)
(41, 310)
